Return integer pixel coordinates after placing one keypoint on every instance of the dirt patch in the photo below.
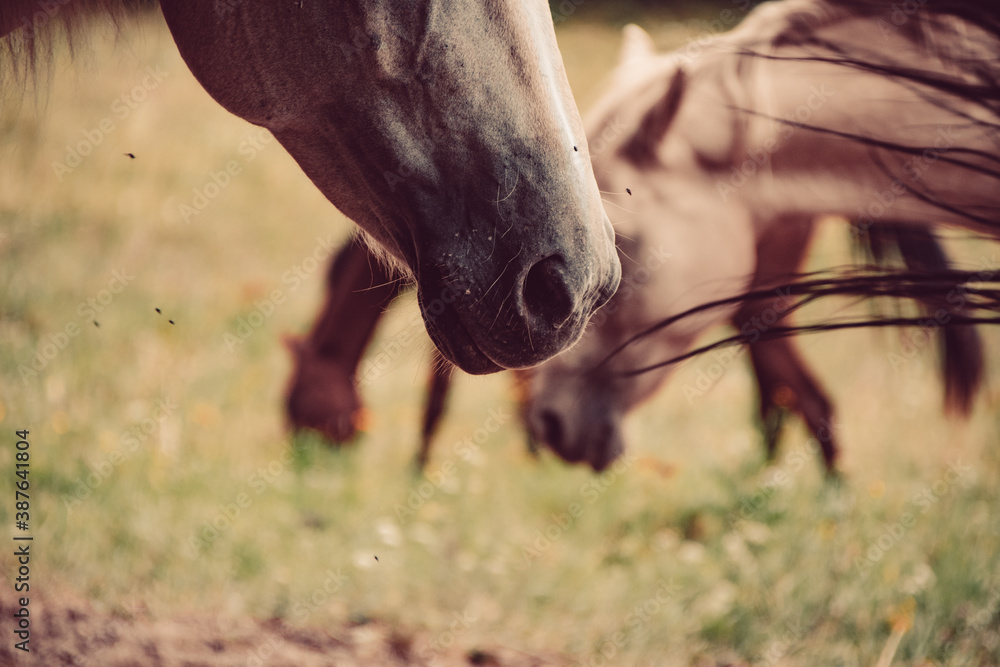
(68, 631)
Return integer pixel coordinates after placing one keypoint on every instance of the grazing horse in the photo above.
(808, 108)
(322, 393)
(445, 130)
(703, 212)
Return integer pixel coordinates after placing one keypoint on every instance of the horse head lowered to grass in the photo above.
(447, 131)
(728, 156)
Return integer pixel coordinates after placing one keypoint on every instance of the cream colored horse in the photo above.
(711, 157)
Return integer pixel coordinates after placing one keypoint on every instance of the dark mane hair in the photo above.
(29, 30)
(973, 62)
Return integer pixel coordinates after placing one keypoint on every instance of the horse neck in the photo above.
(382, 103)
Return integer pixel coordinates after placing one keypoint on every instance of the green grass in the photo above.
(538, 555)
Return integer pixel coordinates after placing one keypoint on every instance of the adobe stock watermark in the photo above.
(635, 623)
(757, 158)
(751, 331)
(53, 344)
(915, 167)
(382, 360)
(898, 15)
(446, 638)
(922, 501)
(707, 31)
(425, 145)
(927, 328)
(128, 444)
(781, 476)
(229, 513)
(116, 626)
(611, 131)
(559, 523)
(121, 108)
(302, 608)
(467, 449)
(217, 180)
(779, 648)
(263, 309)
(564, 10)
(47, 10)
(632, 284)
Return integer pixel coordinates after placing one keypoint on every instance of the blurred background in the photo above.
(142, 306)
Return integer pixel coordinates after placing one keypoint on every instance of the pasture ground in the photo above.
(175, 523)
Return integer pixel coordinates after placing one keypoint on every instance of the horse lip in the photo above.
(458, 347)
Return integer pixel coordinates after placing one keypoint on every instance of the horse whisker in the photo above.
(618, 205)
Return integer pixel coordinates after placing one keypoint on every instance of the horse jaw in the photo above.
(450, 135)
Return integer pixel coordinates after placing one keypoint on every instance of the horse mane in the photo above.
(30, 30)
(963, 34)
(981, 294)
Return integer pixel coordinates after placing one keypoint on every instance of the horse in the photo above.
(683, 184)
(808, 108)
(446, 131)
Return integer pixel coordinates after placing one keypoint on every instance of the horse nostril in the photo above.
(546, 294)
(552, 432)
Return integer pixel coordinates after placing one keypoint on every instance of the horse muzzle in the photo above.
(517, 315)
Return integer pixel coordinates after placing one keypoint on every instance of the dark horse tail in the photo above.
(960, 346)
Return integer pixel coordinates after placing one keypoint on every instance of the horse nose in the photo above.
(547, 296)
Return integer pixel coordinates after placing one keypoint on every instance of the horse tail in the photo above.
(960, 346)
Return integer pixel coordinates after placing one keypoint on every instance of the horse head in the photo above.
(322, 394)
(448, 132)
(680, 245)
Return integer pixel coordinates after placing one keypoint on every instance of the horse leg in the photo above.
(437, 398)
(522, 392)
(783, 379)
(785, 384)
(322, 394)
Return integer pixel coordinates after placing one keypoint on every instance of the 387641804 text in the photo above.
(22, 542)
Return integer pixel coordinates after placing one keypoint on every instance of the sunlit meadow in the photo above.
(144, 291)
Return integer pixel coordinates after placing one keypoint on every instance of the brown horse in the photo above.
(447, 131)
(322, 393)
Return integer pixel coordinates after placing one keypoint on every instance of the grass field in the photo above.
(161, 473)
